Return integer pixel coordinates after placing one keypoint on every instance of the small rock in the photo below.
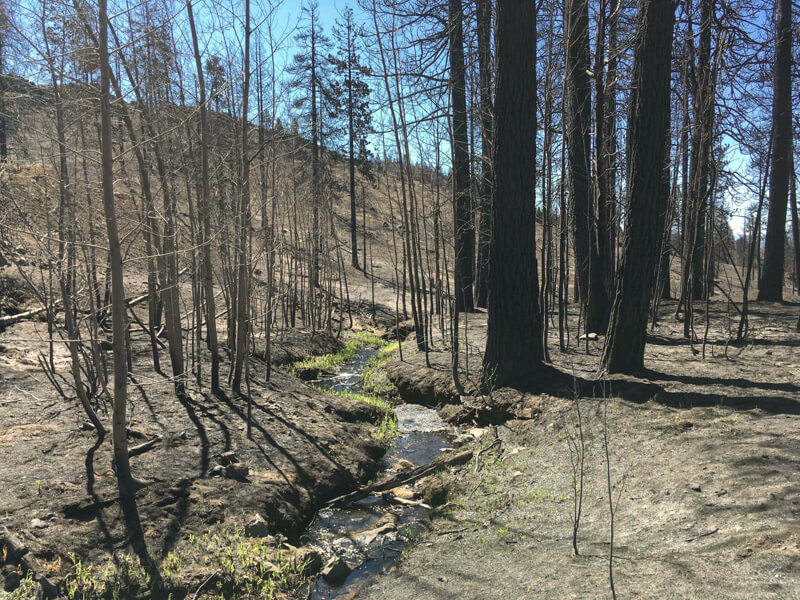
(388, 518)
(311, 373)
(218, 471)
(365, 538)
(402, 465)
(335, 571)
(434, 491)
(404, 492)
(227, 458)
(462, 440)
(39, 524)
(308, 560)
(237, 471)
(450, 413)
(478, 432)
(257, 527)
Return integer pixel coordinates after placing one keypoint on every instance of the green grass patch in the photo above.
(373, 380)
(329, 362)
(385, 428)
(244, 568)
(369, 399)
(374, 384)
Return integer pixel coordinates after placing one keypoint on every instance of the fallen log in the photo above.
(11, 319)
(142, 448)
(405, 478)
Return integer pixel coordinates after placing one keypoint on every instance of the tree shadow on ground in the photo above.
(108, 539)
(135, 538)
(640, 391)
(656, 340)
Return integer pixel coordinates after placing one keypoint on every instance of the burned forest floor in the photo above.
(220, 508)
(703, 463)
(703, 460)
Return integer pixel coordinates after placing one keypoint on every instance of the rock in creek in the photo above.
(434, 490)
(365, 538)
(307, 559)
(335, 571)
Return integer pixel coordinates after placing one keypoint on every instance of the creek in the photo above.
(370, 535)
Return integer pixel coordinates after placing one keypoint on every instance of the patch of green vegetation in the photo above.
(28, 588)
(124, 577)
(329, 362)
(373, 379)
(385, 430)
(369, 399)
(373, 382)
(243, 567)
(503, 531)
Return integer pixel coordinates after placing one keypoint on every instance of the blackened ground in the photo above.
(704, 461)
(58, 491)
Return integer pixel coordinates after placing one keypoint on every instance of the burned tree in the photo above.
(514, 340)
(648, 138)
(771, 285)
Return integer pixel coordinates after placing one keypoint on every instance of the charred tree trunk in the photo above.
(316, 168)
(514, 340)
(242, 255)
(464, 231)
(648, 133)
(693, 278)
(602, 153)
(205, 211)
(119, 435)
(795, 225)
(3, 124)
(484, 16)
(772, 273)
(351, 141)
(584, 219)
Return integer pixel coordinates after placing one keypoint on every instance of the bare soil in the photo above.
(58, 492)
(704, 458)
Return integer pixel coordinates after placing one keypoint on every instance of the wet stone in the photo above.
(335, 571)
(308, 560)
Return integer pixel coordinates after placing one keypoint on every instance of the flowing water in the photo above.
(371, 534)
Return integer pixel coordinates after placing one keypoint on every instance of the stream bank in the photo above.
(703, 463)
(364, 539)
(206, 478)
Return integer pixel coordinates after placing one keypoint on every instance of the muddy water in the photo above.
(371, 534)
